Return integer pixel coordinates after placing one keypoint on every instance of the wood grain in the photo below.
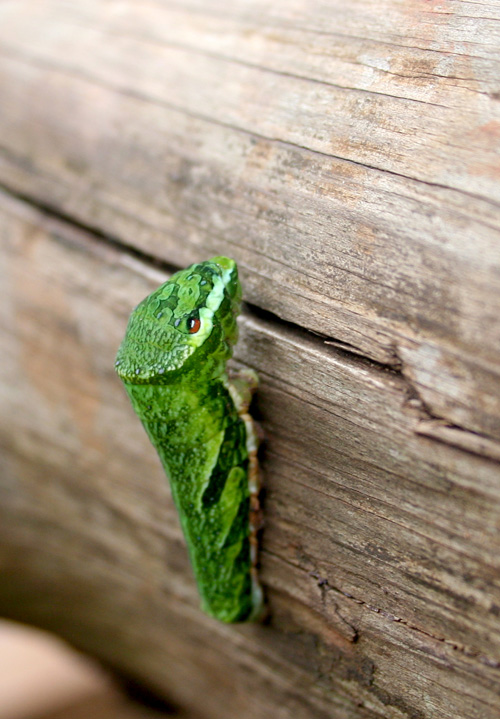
(380, 549)
(346, 154)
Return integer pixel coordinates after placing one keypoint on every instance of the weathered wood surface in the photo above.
(381, 547)
(346, 153)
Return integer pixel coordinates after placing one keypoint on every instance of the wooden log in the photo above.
(380, 550)
(347, 153)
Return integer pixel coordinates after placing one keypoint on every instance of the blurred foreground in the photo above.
(42, 678)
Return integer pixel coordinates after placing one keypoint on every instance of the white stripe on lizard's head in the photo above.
(192, 314)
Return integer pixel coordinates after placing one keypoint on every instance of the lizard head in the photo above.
(188, 324)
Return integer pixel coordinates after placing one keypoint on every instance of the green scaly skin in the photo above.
(173, 364)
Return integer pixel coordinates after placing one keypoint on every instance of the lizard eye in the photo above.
(193, 325)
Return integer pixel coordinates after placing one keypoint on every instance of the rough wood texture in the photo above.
(380, 553)
(346, 154)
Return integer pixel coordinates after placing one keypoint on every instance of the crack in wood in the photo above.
(429, 424)
(262, 68)
(142, 97)
(325, 585)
